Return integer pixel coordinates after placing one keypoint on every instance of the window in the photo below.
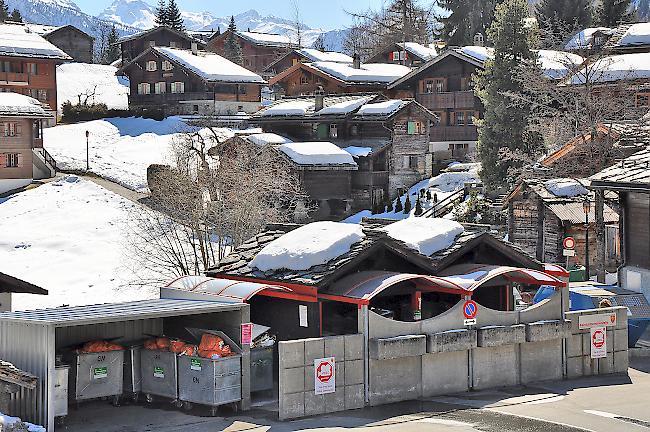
(304, 79)
(172, 44)
(414, 128)
(151, 66)
(334, 132)
(178, 87)
(394, 56)
(642, 99)
(11, 160)
(460, 118)
(32, 69)
(354, 130)
(144, 88)
(412, 162)
(440, 85)
(195, 109)
(470, 118)
(41, 95)
(167, 65)
(160, 87)
(242, 89)
(152, 43)
(428, 86)
(11, 129)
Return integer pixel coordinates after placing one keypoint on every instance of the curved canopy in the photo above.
(473, 276)
(222, 287)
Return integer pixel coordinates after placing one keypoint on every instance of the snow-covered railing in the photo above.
(443, 207)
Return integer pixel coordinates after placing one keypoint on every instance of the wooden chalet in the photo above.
(326, 293)
(630, 179)
(337, 78)
(28, 64)
(259, 49)
(410, 54)
(626, 38)
(180, 81)
(69, 39)
(388, 138)
(304, 55)
(540, 216)
(160, 36)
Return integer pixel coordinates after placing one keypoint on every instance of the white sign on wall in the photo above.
(324, 375)
(598, 342)
(597, 320)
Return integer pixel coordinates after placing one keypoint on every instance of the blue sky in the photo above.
(316, 13)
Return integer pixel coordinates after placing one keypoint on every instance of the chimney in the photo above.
(319, 99)
(195, 48)
(356, 61)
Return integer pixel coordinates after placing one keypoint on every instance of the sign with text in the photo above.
(598, 342)
(597, 320)
(324, 375)
(246, 333)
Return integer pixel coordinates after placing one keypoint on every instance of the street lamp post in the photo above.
(87, 152)
(586, 207)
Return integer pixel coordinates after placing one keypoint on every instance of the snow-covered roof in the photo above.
(210, 66)
(565, 187)
(637, 34)
(42, 29)
(328, 56)
(266, 38)
(263, 139)
(356, 151)
(584, 39)
(425, 235)
(182, 34)
(289, 108)
(422, 51)
(308, 246)
(480, 53)
(615, 68)
(381, 108)
(558, 64)
(367, 73)
(17, 40)
(345, 107)
(316, 153)
(14, 104)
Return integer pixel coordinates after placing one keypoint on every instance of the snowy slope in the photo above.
(68, 237)
(74, 79)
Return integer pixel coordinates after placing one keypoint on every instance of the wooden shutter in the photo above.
(19, 129)
(20, 160)
(3, 160)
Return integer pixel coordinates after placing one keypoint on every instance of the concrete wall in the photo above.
(579, 361)
(635, 279)
(296, 359)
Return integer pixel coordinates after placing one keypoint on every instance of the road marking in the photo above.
(536, 399)
(637, 422)
(601, 414)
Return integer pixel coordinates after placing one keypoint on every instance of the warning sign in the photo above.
(246, 333)
(597, 320)
(598, 342)
(324, 375)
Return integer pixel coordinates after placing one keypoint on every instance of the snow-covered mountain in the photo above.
(133, 13)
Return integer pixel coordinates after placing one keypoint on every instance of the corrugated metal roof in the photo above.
(574, 213)
(111, 312)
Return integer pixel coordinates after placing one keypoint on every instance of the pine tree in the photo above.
(643, 10)
(418, 207)
(112, 52)
(611, 13)
(16, 16)
(162, 18)
(174, 16)
(232, 50)
(465, 19)
(4, 11)
(319, 44)
(561, 18)
(428, 195)
(505, 139)
(398, 205)
(407, 204)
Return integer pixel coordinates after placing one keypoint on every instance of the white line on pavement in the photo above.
(602, 414)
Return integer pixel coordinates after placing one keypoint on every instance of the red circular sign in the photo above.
(598, 339)
(569, 243)
(470, 308)
(324, 371)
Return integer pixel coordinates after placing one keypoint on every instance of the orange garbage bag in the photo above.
(212, 346)
(189, 350)
(99, 346)
(177, 346)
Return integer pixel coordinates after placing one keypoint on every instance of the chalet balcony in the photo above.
(169, 97)
(14, 78)
(454, 133)
(448, 100)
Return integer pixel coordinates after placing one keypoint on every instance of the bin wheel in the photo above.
(178, 404)
(187, 405)
(148, 398)
(214, 411)
(116, 401)
(135, 398)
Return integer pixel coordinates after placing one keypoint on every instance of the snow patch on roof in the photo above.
(381, 108)
(316, 153)
(565, 187)
(367, 73)
(426, 235)
(17, 40)
(291, 108)
(327, 56)
(584, 39)
(17, 104)
(358, 151)
(344, 107)
(308, 246)
(478, 52)
(263, 139)
(424, 52)
(210, 66)
(637, 34)
(615, 68)
(557, 64)
(266, 38)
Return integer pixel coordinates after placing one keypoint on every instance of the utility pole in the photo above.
(87, 152)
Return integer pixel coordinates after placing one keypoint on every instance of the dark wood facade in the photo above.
(33, 77)
(74, 42)
(395, 53)
(133, 46)
(257, 56)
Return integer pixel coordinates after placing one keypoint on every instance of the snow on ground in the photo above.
(67, 237)
(425, 235)
(74, 79)
(316, 153)
(9, 422)
(121, 149)
(565, 187)
(313, 244)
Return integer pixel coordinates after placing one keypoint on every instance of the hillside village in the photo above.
(444, 193)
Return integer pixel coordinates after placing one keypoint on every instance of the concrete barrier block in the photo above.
(353, 372)
(398, 347)
(621, 318)
(588, 366)
(335, 347)
(292, 380)
(574, 367)
(445, 373)
(621, 361)
(335, 402)
(541, 361)
(353, 347)
(314, 349)
(620, 339)
(495, 366)
(395, 380)
(574, 346)
(354, 396)
(291, 406)
(492, 336)
(340, 374)
(452, 340)
(541, 331)
(610, 340)
(314, 404)
(586, 344)
(309, 378)
(606, 365)
(291, 353)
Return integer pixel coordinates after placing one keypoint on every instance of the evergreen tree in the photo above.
(319, 44)
(418, 207)
(560, 18)
(505, 140)
(174, 16)
(407, 204)
(232, 50)
(611, 13)
(398, 205)
(112, 52)
(16, 16)
(465, 19)
(4, 11)
(162, 18)
(428, 195)
(643, 10)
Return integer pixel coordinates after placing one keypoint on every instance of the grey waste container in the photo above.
(159, 374)
(210, 382)
(261, 369)
(97, 375)
(132, 377)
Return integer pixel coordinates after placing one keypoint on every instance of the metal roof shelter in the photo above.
(30, 339)
(471, 277)
(226, 289)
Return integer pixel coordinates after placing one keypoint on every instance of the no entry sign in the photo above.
(324, 375)
(598, 342)
(569, 243)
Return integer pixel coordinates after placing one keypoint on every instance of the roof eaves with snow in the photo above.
(250, 37)
(388, 116)
(309, 68)
(37, 46)
(349, 82)
(329, 100)
(161, 28)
